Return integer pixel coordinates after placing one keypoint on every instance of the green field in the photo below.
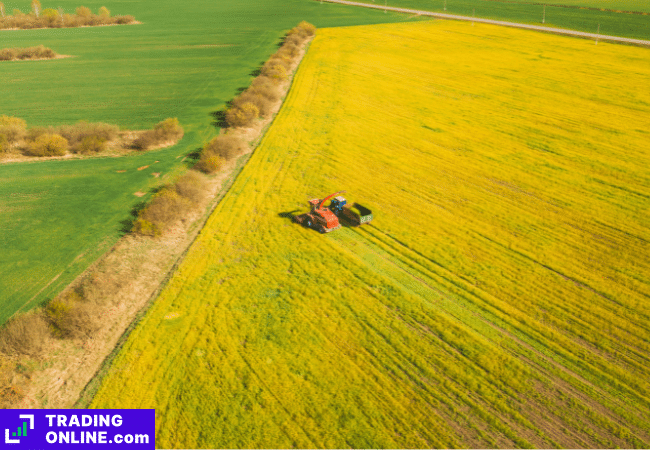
(497, 300)
(58, 217)
(588, 20)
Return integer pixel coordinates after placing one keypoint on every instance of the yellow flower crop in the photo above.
(498, 299)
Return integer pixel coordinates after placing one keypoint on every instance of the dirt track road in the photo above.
(597, 37)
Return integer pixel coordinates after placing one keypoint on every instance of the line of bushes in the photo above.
(170, 204)
(256, 101)
(166, 131)
(81, 138)
(39, 52)
(56, 18)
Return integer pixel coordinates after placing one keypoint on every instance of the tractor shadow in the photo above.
(289, 214)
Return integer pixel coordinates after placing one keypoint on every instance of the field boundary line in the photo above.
(563, 31)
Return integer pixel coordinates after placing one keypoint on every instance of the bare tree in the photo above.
(36, 7)
(2, 9)
(61, 15)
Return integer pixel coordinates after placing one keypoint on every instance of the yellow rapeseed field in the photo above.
(498, 299)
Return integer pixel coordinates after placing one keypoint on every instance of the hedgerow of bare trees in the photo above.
(165, 131)
(56, 18)
(258, 99)
(81, 138)
(39, 52)
(255, 101)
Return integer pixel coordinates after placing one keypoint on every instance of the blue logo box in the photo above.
(78, 428)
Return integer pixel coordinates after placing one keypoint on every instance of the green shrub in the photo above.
(76, 133)
(50, 13)
(225, 147)
(146, 140)
(279, 58)
(243, 115)
(265, 87)
(191, 186)
(307, 28)
(40, 52)
(24, 334)
(293, 39)
(209, 163)
(121, 20)
(90, 144)
(275, 71)
(48, 145)
(255, 96)
(145, 228)
(70, 316)
(7, 54)
(84, 12)
(34, 132)
(292, 49)
(165, 208)
(169, 129)
(12, 128)
(165, 131)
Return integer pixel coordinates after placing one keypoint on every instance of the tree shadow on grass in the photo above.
(219, 119)
(126, 225)
(193, 157)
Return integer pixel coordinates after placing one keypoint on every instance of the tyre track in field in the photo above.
(537, 437)
(563, 31)
(582, 394)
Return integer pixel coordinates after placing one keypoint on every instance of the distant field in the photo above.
(498, 299)
(532, 12)
(617, 5)
(186, 62)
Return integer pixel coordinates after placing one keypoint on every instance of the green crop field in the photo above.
(556, 14)
(183, 61)
(498, 298)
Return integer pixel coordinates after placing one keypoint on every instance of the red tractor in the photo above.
(319, 218)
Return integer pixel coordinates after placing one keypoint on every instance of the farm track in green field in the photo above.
(629, 19)
(57, 217)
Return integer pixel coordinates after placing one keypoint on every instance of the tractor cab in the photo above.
(337, 204)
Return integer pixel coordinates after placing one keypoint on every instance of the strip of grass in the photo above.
(496, 300)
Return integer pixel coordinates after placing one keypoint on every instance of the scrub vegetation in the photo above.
(16, 54)
(38, 17)
(82, 138)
